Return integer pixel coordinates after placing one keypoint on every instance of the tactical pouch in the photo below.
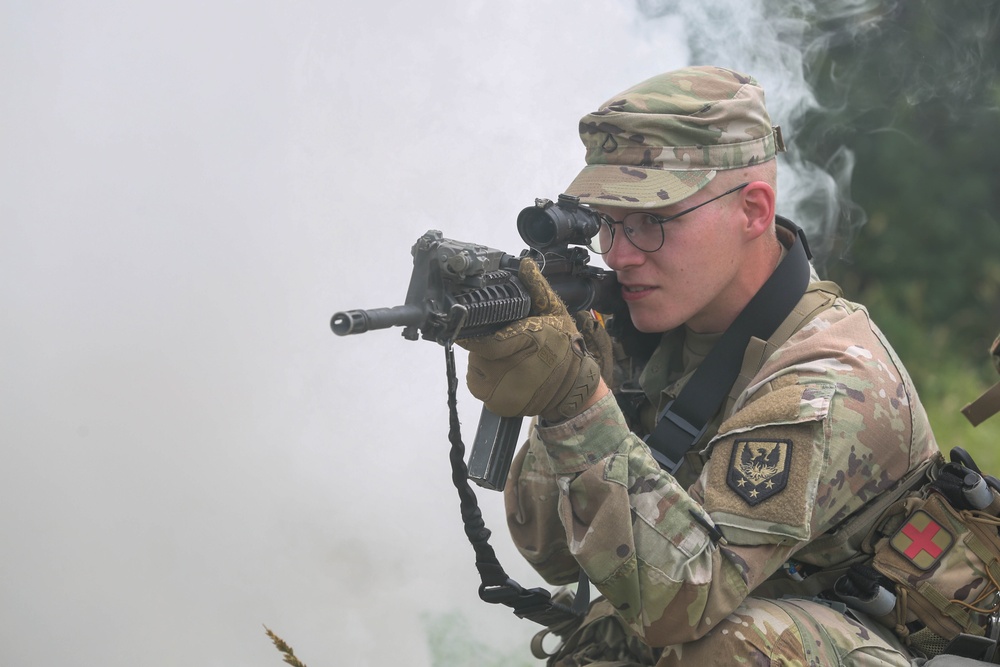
(945, 564)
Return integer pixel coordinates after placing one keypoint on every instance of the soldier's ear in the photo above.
(758, 201)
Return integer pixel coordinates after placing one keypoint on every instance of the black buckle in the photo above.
(534, 604)
(665, 460)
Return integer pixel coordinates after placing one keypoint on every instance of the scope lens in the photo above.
(536, 227)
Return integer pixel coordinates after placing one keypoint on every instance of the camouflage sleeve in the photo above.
(530, 497)
(643, 541)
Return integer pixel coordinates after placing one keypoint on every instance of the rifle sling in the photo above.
(685, 419)
(535, 604)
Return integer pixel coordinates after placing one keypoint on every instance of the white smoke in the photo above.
(779, 42)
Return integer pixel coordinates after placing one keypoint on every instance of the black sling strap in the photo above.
(535, 604)
(684, 420)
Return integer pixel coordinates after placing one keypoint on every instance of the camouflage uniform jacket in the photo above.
(830, 420)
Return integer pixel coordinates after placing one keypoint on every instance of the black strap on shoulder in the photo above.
(684, 420)
(535, 604)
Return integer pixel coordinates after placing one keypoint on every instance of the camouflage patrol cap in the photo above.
(664, 139)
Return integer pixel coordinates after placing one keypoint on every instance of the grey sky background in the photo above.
(188, 191)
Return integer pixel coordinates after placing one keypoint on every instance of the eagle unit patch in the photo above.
(758, 469)
(922, 540)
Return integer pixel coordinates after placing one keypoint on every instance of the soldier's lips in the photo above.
(636, 292)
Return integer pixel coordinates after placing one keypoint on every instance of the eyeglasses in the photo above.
(643, 229)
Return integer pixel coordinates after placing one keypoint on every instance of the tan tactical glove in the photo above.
(598, 343)
(537, 365)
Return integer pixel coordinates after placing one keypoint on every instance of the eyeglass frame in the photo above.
(657, 219)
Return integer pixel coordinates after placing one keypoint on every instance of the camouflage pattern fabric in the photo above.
(666, 138)
(830, 421)
(792, 632)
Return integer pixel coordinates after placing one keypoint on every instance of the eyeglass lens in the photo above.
(642, 229)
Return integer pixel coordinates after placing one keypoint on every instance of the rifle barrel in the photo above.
(359, 321)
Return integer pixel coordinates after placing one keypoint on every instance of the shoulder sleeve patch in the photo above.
(760, 486)
(758, 469)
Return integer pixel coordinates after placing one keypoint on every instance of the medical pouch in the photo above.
(942, 552)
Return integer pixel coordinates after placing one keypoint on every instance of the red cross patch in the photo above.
(922, 540)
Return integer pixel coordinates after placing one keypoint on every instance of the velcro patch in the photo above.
(922, 540)
(758, 469)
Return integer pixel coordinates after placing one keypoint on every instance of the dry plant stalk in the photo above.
(281, 645)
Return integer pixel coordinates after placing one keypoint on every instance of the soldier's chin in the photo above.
(645, 324)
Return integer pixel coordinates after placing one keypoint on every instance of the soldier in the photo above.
(700, 551)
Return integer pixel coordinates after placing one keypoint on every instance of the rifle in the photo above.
(462, 290)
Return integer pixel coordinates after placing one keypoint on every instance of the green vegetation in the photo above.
(944, 394)
(915, 95)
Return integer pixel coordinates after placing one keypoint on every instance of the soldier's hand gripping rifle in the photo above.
(461, 290)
